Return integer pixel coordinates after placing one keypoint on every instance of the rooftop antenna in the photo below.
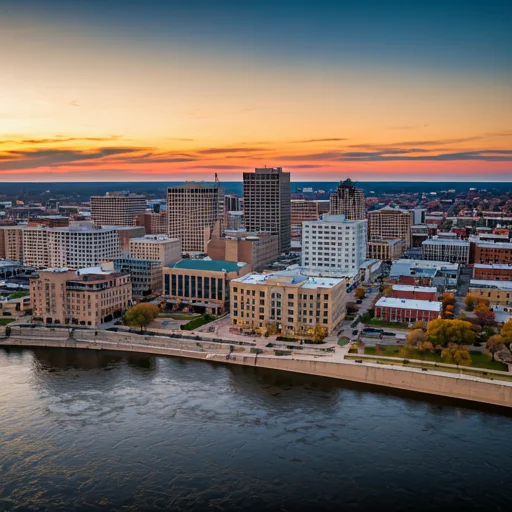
(217, 182)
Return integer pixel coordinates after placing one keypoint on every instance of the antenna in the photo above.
(217, 179)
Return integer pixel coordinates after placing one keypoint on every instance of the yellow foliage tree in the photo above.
(470, 302)
(444, 331)
(415, 337)
(141, 315)
(360, 292)
(506, 332)
(457, 355)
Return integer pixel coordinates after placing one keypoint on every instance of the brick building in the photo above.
(488, 252)
(392, 309)
(401, 291)
(493, 271)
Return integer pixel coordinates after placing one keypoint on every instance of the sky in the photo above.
(156, 90)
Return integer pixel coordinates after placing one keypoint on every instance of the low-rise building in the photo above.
(159, 248)
(440, 274)
(493, 252)
(88, 296)
(454, 251)
(498, 293)
(13, 308)
(493, 271)
(404, 291)
(289, 302)
(201, 285)
(392, 309)
(385, 250)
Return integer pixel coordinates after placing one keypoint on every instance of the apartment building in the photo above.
(453, 251)
(334, 242)
(290, 302)
(117, 208)
(493, 271)
(195, 211)
(385, 250)
(267, 206)
(201, 285)
(348, 200)
(159, 248)
(11, 243)
(88, 296)
(493, 252)
(390, 224)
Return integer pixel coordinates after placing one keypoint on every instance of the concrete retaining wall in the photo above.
(435, 383)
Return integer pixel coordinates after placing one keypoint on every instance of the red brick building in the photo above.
(488, 252)
(392, 309)
(492, 271)
(401, 291)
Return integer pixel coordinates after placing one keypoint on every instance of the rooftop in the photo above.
(497, 266)
(487, 283)
(290, 277)
(494, 245)
(209, 265)
(332, 219)
(424, 305)
(409, 288)
(154, 239)
(440, 241)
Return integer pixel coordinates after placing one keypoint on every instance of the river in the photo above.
(83, 430)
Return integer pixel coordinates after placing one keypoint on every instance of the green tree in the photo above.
(443, 331)
(457, 355)
(141, 315)
(494, 344)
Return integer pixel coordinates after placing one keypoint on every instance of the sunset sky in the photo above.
(172, 90)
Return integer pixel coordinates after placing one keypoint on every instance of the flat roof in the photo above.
(154, 239)
(496, 245)
(425, 305)
(332, 219)
(445, 241)
(488, 283)
(295, 277)
(494, 265)
(210, 265)
(410, 288)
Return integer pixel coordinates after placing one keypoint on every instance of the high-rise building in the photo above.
(334, 243)
(390, 224)
(117, 209)
(302, 210)
(155, 223)
(267, 203)
(348, 200)
(194, 211)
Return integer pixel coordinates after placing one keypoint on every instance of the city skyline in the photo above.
(135, 92)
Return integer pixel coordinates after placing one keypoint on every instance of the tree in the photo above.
(448, 299)
(387, 291)
(484, 314)
(319, 333)
(456, 354)
(443, 331)
(415, 337)
(448, 311)
(506, 332)
(470, 302)
(419, 324)
(141, 315)
(360, 292)
(494, 344)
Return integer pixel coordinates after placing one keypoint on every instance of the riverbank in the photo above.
(307, 362)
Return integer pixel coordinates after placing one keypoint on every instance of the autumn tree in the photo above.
(506, 332)
(387, 291)
(415, 337)
(470, 302)
(360, 292)
(448, 299)
(443, 331)
(419, 324)
(319, 333)
(425, 346)
(494, 344)
(456, 354)
(141, 315)
(448, 311)
(484, 314)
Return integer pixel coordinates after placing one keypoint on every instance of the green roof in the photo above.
(211, 265)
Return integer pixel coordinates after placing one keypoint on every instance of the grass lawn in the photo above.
(478, 360)
(382, 323)
(343, 341)
(5, 321)
(198, 322)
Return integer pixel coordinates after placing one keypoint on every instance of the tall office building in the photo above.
(348, 200)
(194, 210)
(117, 208)
(390, 224)
(267, 203)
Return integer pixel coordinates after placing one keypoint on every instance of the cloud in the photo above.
(387, 156)
(222, 151)
(74, 103)
(180, 140)
(58, 139)
(313, 141)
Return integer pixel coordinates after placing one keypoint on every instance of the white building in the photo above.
(159, 248)
(334, 243)
(454, 251)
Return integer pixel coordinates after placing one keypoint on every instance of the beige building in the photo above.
(287, 301)
(195, 211)
(117, 209)
(11, 243)
(159, 248)
(390, 224)
(348, 200)
(385, 250)
(201, 285)
(88, 296)
(256, 249)
(267, 204)
(498, 293)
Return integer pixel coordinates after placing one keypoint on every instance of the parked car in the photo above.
(355, 332)
(359, 301)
